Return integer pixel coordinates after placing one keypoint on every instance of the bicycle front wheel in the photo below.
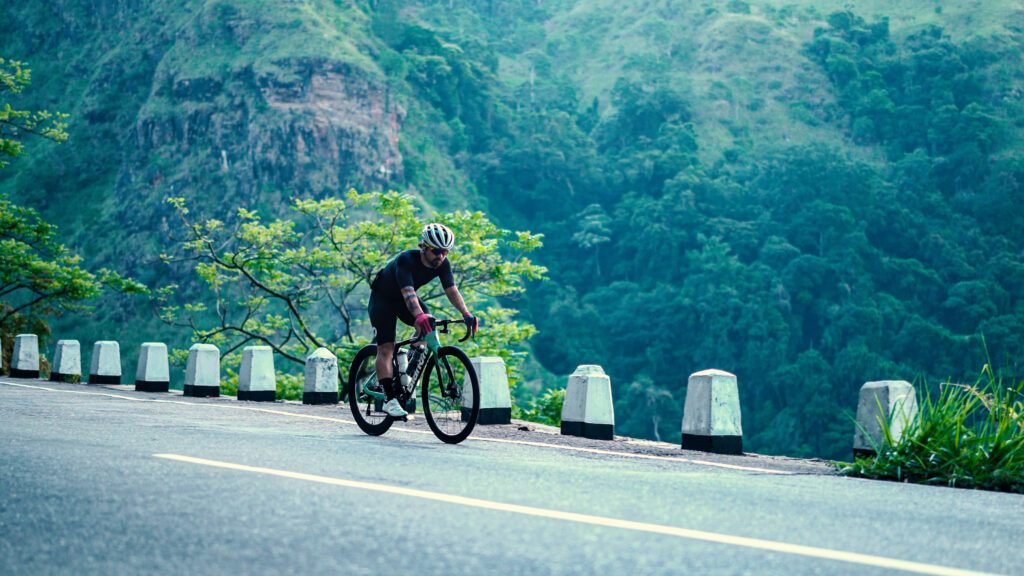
(450, 395)
(366, 408)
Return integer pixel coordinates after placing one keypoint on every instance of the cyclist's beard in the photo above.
(433, 261)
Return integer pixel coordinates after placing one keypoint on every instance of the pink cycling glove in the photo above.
(423, 326)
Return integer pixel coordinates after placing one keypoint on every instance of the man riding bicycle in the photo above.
(393, 297)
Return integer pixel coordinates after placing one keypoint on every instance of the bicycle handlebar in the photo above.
(442, 327)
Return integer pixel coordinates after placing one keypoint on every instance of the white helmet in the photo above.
(437, 236)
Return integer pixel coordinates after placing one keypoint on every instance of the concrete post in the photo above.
(202, 374)
(321, 385)
(257, 381)
(711, 414)
(153, 373)
(25, 359)
(891, 401)
(495, 400)
(588, 409)
(67, 362)
(106, 363)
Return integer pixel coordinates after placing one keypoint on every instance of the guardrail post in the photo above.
(105, 367)
(153, 373)
(257, 381)
(202, 374)
(890, 401)
(588, 410)
(25, 359)
(321, 384)
(711, 413)
(67, 362)
(495, 400)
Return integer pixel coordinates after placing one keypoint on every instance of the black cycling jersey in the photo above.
(408, 270)
(386, 302)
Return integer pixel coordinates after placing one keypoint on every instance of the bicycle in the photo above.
(444, 397)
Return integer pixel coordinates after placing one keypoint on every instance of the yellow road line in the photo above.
(545, 445)
(756, 543)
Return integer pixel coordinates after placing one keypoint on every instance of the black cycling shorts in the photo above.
(385, 311)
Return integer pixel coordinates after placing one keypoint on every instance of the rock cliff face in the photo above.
(319, 129)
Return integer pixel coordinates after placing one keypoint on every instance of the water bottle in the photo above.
(403, 367)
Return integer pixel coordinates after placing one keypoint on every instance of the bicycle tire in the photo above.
(448, 419)
(373, 422)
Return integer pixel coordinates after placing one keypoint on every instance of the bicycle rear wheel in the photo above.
(445, 400)
(366, 409)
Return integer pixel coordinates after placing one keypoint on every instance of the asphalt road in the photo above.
(96, 480)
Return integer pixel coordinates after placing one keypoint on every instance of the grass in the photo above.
(967, 437)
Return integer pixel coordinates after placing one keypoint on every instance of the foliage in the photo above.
(14, 123)
(302, 283)
(968, 437)
(545, 408)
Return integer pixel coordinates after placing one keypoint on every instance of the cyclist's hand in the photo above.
(424, 324)
(472, 323)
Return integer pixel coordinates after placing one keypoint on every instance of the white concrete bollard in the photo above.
(711, 413)
(106, 363)
(321, 385)
(256, 381)
(892, 401)
(495, 400)
(202, 374)
(25, 359)
(154, 372)
(588, 409)
(67, 362)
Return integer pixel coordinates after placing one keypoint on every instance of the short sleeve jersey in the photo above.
(408, 270)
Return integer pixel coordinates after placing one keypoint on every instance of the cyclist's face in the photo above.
(433, 257)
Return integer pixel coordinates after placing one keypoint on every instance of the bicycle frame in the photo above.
(433, 344)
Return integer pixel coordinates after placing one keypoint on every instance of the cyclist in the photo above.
(393, 296)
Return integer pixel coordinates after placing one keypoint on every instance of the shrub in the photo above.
(544, 409)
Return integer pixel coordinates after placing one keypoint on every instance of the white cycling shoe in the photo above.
(394, 409)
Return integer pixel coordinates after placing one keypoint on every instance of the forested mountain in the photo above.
(806, 196)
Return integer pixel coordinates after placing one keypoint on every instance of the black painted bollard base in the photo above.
(319, 397)
(66, 378)
(15, 373)
(145, 386)
(201, 391)
(715, 444)
(587, 430)
(104, 379)
(489, 416)
(256, 395)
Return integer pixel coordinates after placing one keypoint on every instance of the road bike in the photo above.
(449, 385)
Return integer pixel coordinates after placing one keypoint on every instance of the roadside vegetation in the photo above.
(966, 436)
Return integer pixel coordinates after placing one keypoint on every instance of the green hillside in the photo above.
(807, 197)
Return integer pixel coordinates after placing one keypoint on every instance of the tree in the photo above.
(299, 283)
(592, 231)
(14, 77)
